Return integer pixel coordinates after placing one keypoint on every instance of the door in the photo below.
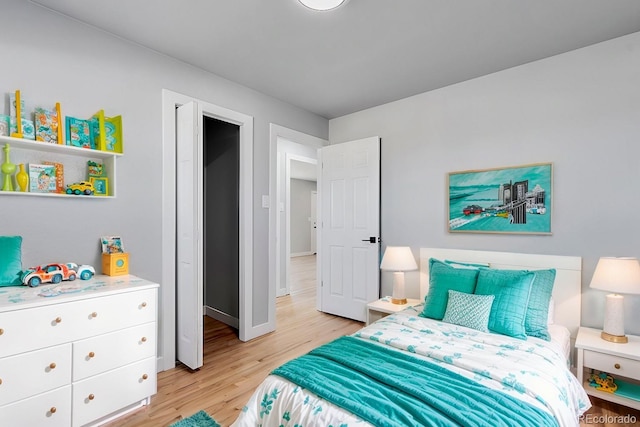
(188, 247)
(350, 227)
(313, 221)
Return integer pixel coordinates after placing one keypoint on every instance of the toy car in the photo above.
(82, 187)
(84, 271)
(54, 273)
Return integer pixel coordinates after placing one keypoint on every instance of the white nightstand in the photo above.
(383, 307)
(621, 361)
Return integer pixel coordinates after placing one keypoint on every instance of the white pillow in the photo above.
(552, 310)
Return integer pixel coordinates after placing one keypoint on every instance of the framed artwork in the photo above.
(514, 199)
(100, 185)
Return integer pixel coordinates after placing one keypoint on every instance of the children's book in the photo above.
(13, 104)
(46, 124)
(42, 178)
(28, 130)
(4, 125)
(59, 167)
(95, 169)
(107, 132)
(79, 133)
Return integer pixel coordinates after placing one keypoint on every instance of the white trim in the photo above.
(222, 317)
(167, 289)
(297, 254)
(275, 132)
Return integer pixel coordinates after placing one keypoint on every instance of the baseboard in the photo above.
(302, 254)
(222, 317)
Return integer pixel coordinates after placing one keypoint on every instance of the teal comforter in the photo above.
(388, 387)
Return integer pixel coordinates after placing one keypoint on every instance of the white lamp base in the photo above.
(398, 296)
(613, 329)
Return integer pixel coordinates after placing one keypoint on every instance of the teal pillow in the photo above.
(442, 279)
(469, 310)
(511, 289)
(537, 316)
(10, 260)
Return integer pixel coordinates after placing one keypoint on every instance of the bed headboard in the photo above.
(567, 289)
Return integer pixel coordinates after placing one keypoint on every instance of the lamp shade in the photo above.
(619, 275)
(322, 4)
(398, 258)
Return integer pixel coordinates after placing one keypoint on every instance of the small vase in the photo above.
(8, 169)
(22, 178)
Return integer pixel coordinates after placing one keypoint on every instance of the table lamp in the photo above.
(398, 259)
(618, 275)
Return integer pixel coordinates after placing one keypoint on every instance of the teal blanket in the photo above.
(388, 387)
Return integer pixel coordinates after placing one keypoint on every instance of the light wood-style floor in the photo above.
(233, 369)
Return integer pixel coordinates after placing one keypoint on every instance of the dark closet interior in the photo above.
(221, 219)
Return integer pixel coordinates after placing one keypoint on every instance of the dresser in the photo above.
(78, 353)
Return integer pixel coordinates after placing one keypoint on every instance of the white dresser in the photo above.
(82, 355)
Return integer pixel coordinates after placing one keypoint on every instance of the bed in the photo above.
(429, 365)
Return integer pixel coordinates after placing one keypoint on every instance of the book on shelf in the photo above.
(4, 125)
(59, 169)
(79, 133)
(42, 178)
(95, 169)
(107, 132)
(46, 125)
(28, 130)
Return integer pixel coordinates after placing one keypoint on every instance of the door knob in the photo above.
(370, 240)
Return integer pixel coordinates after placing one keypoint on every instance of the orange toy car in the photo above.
(53, 273)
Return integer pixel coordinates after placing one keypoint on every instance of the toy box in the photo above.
(115, 264)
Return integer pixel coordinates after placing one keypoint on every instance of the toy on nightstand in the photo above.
(603, 382)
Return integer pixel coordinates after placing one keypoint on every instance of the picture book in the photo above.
(111, 245)
(107, 132)
(95, 169)
(59, 167)
(79, 133)
(4, 125)
(46, 125)
(42, 178)
(28, 130)
(14, 99)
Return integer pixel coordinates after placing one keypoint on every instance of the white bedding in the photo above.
(534, 371)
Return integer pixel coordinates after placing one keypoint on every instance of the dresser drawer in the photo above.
(32, 373)
(66, 322)
(105, 352)
(611, 364)
(106, 393)
(50, 409)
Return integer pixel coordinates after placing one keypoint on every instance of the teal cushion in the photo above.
(10, 260)
(442, 279)
(469, 310)
(537, 316)
(511, 289)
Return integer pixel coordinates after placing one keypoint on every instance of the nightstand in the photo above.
(621, 361)
(383, 307)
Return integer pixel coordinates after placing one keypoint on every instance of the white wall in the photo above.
(51, 58)
(300, 215)
(579, 110)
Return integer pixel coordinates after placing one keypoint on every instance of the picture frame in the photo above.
(514, 200)
(100, 185)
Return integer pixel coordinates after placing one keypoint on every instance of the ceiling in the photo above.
(362, 54)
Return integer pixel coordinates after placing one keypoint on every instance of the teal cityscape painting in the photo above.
(503, 200)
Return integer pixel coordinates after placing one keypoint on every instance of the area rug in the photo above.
(199, 419)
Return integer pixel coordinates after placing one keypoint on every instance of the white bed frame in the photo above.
(567, 289)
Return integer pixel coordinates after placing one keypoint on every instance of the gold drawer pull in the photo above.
(52, 365)
(0, 381)
(143, 339)
(58, 319)
(53, 410)
(1, 331)
(91, 354)
(617, 366)
(144, 304)
(145, 376)
(94, 314)
(91, 397)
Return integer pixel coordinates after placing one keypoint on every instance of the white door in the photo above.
(350, 227)
(313, 221)
(188, 271)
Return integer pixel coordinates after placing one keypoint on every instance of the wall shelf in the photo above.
(74, 160)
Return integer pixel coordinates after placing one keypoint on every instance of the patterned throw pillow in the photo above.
(442, 278)
(469, 310)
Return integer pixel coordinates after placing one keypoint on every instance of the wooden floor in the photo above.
(233, 369)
